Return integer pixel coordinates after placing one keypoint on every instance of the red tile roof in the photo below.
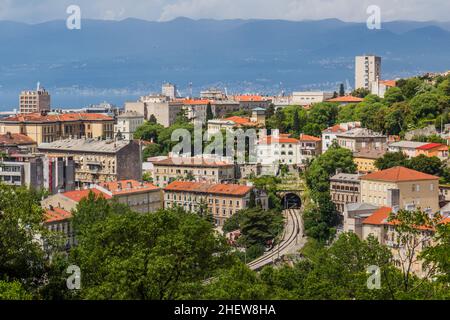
(56, 214)
(195, 101)
(249, 98)
(240, 120)
(37, 117)
(398, 174)
(346, 99)
(281, 139)
(194, 162)
(381, 216)
(10, 139)
(430, 146)
(78, 195)
(222, 189)
(335, 129)
(127, 187)
(389, 83)
(305, 137)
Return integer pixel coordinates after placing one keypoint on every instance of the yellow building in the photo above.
(401, 187)
(365, 159)
(50, 127)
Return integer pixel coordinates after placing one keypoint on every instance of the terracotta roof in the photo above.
(223, 189)
(281, 139)
(194, 162)
(56, 214)
(78, 195)
(240, 120)
(10, 139)
(346, 99)
(334, 129)
(37, 117)
(127, 187)
(430, 146)
(389, 83)
(249, 98)
(305, 137)
(398, 174)
(195, 101)
(379, 216)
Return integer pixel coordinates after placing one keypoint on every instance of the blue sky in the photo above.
(33, 11)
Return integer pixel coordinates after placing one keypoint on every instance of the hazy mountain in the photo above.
(119, 60)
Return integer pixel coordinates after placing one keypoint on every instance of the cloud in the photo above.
(347, 10)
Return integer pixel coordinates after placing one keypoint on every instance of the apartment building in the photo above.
(142, 197)
(36, 171)
(127, 124)
(257, 121)
(98, 161)
(51, 127)
(379, 226)
(283, 149)
(344, 189)
(309, 97)
(329, 134)
(361, 138)
(221, 200)
(198, 169)
(354, 214)
(367, 71)
(160, 106)
(401, 187)
(16, 142)
(169, 90)
(365, 159)
(59, 220)
(380, 87)
(34, 101)
(433, 150)
(248, 102)
(409, 148)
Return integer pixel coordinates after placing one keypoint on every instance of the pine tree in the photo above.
(341, 90)
(209, 113)
(296, 124)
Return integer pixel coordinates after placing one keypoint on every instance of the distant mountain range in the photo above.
(120, 60)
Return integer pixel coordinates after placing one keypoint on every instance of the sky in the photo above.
(35, 11)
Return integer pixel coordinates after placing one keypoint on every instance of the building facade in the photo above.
(127, 124)
(344, 189)
(401, 187)
(361, 138)
(98, 161)
(34, 101)
(221, 200)
(367, 70)
(204, 170)
(52, 127)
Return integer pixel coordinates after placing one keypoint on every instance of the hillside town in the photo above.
(316, 164)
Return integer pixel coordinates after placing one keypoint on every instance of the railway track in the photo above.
(291, 230)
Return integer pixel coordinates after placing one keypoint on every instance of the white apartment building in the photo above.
(169, 90)
(330, 134)
(367, 70)
(273, 150)
(127, 123)
(407, 147)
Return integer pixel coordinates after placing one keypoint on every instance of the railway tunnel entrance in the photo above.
(292, 201)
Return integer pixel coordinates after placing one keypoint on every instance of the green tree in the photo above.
(165, 255)
(152, 119)
(296, 124)
(13, 291)
(393, 95)
(360, 93)
(209, 113)
(422, 163)
(391, 159)
(341, 90)
(152, 150)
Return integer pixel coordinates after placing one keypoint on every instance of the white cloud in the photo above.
(347, 10)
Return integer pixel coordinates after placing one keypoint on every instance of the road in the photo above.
(291, 242)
